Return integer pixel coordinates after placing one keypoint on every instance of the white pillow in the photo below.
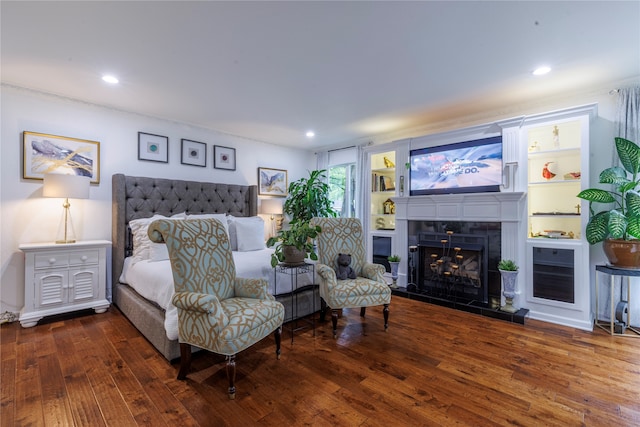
(250, 234)
(220, 217)
(142, 245)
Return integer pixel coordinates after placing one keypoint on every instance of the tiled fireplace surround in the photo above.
(507, 208)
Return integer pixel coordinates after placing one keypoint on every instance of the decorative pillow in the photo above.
(142, 245)
(247, 233)
(220, 217)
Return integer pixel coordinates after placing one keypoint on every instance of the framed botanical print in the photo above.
(154, 148)
(272, 182)
(224, 158)
(43, 153)
(193, 153)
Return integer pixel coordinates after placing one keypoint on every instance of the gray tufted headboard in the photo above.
(141, 197)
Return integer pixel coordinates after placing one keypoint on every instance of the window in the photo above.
(342, 189)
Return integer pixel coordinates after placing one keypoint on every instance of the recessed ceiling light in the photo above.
(110, 79)
(541, 71)
(310, 134)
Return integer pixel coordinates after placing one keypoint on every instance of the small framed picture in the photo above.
(43, 153)
(154, 148)
(224, 158)
(193, 153)
(272, 182)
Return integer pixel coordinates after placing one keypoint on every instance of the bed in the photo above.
(142, 284)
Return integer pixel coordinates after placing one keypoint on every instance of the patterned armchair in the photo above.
(216, 310)
(345, 235)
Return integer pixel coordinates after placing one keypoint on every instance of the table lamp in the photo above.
(66, 187)
(271, 207)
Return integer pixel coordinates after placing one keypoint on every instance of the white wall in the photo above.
(27, 217)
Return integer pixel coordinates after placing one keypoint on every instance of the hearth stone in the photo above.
(469, 307)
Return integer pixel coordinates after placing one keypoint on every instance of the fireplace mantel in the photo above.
(508, 208)
(500, 207)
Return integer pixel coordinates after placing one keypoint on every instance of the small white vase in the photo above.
(509, 285)
(394, 272)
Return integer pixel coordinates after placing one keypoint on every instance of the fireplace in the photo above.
(485, 227)
(453, 266)
(456, 261)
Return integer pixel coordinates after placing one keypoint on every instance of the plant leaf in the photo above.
(629, 154)
(615, 175)
(596, 195)
(633, 227)
(633, 204)
(597, 230)
(617, 224)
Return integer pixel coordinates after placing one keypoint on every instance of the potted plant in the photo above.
(308, 197)
(509, 272)
(296, 244)
(394, 261)
(618, 227)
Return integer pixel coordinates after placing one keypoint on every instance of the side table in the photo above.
(294, 271)
(614, 272)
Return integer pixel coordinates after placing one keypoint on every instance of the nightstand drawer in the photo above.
(51, 260)
(84, 257)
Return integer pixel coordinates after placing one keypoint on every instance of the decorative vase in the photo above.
(394, 272)
(622, 253)
(509, 281)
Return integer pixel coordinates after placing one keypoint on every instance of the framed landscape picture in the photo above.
(272, 182)
(44, 153)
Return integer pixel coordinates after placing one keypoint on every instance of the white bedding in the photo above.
(153, 280)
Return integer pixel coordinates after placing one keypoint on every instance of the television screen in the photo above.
(465, 167)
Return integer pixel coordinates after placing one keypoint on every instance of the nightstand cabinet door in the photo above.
(60, 278)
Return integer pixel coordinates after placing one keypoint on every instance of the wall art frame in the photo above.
(224, 158)
(272, 182)
(153, 148)
(193, 153)
(44, 153)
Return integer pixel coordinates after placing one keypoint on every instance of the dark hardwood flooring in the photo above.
(435, 366)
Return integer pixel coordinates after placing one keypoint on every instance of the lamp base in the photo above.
(66, 241)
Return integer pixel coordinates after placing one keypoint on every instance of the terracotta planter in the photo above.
(622, 253)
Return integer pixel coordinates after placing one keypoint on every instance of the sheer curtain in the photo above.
(628, 127)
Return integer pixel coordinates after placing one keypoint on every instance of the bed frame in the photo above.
(142, 197)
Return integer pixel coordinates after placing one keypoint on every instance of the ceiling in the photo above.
(270, 71)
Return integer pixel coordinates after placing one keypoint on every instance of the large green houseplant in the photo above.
(308, 197)
(618, 225)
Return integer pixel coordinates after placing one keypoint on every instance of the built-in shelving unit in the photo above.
(557, 169)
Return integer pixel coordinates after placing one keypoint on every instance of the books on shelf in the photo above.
(382, 183)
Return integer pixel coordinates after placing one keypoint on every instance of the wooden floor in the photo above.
(435, 366)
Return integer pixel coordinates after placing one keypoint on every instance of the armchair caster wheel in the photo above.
(232, 396)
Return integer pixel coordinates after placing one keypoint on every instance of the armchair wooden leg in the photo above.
(385, 312)
(334, 322)
(231, 375)
(185, 360)
(278, 334)
(363, 310)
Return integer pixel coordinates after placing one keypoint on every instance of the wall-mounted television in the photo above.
(464, 167)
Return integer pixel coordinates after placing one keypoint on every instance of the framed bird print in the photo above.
(272, 182)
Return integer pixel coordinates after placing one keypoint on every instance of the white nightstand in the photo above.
(63, 277)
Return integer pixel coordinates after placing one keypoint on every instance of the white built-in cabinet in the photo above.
(61, 278)
(554, 168)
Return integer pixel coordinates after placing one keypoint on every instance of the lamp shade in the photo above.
(271, 206)
(66, 186)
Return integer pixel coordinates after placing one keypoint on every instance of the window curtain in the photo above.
(628, 116)
(628, 127)
(363, 176)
